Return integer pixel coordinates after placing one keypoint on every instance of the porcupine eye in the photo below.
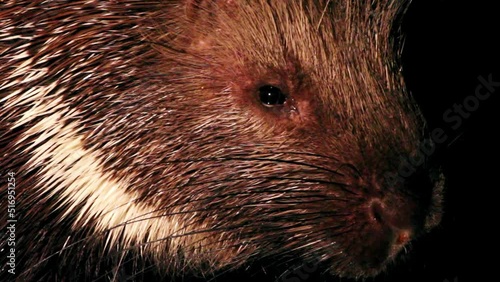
(271, 96)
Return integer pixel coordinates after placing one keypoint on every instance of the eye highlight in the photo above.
(271, 96)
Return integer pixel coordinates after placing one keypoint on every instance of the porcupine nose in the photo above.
(388, 228)
(393, 218)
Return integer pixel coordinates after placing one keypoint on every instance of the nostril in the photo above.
(391, 214)
(376, 211)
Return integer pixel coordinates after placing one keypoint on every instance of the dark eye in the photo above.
(271, 96)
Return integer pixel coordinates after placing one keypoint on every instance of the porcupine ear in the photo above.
(206, 11)
(194, 8)
(191, 26)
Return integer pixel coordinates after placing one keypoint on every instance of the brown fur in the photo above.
(166, 95)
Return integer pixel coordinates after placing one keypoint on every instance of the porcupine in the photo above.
(181, 137)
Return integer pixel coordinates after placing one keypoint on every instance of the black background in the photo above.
(449, 45)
